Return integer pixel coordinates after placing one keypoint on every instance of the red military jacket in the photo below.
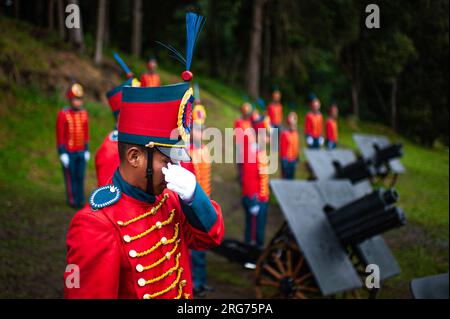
(243, 138)
(289, 145)
(313, 124)
(107, 159)
(255, 177)
(126, 245)
(72, 130)
(332, 130)
(150, 79)
(275, 112)
(200, 166)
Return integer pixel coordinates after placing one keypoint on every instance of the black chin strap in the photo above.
(150, 171)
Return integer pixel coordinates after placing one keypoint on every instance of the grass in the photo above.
(34, 217)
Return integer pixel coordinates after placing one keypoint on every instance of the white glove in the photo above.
(181, 181)
(87, 156)
(321, 140)
(254, 210)
(64, 158)
(309, 140)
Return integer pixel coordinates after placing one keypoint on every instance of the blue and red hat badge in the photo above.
(162, 116)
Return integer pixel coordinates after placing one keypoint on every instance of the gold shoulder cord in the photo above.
(151, 212)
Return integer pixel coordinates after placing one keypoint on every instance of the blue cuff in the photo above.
(61, 149)
(200, 213)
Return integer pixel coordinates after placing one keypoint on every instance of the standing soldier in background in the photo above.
(107, 156)
(332, 127)
(275, 109)
(289, 147)
(151, 78)
(240, 125)
(314, 124)
(200, 166)
(255, 185)
(72, 138)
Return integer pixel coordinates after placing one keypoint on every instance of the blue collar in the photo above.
(131, 190)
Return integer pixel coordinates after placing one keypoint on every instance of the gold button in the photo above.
(127, 238)
(147, 296)
(178, 255)
(168, 255)
(163, 240)
(132, 253)
(139, 268)
(120, 223)
(158, 225)
(151, 144)
(183, 282)
(141, 282)
(166, 196)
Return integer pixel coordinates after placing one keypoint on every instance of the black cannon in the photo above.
(330, 236)
(357, 171)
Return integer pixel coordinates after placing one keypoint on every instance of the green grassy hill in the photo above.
(34, 217)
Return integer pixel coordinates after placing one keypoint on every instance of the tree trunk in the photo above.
(60, 14)
(394, 105)
(266, 76)
(51, 14)
(76, 34)
(100, 31)
(254, 55)
(106, 33)
(17, 9)
(136, 37)
(355, 99)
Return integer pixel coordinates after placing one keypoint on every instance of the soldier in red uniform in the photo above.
(240, 126)
(133, 239)
(275, 109)
(107, 156)
(314, 124)
(151, 78)
(255, 185)
(72, 138)
(289, 147)
(332, 127)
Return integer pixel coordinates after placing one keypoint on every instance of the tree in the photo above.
(390, 59)
(100, 31)
(254, 54)
(51, 14)
(60, 15)
(136, 37)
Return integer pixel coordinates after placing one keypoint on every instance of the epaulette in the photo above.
(104, 196)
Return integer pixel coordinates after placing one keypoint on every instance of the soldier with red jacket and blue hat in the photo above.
(255, 183)
(314, 124)
(289, 147)
(332, 127)
(72, 138)
(241, 126)
(133, 239)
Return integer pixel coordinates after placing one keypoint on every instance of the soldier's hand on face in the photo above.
(87, 156)
(64, 158)
(181, 181)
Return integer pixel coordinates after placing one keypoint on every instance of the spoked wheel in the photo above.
(282, 272)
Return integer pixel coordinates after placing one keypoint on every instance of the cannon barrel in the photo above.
(356, 171)
(385, 154)
(366, 217)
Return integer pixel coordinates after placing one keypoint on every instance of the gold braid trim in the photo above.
(159, 261)
(165, 274)
(148, 231)
(151, 212)
(153, 144)
(180, 291)
(172, 285)
(159, 243)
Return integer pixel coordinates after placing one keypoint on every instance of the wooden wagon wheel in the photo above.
(282, 272)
